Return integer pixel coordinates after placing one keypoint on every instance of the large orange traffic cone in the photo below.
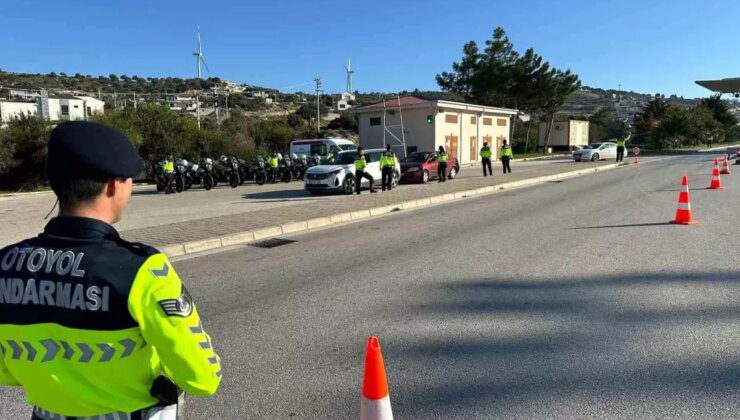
(683, 212)
(376, 403)
(725, 167)
(716, 184)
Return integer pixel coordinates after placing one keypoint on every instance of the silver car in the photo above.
(596, 151)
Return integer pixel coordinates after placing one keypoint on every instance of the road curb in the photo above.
(246, 237)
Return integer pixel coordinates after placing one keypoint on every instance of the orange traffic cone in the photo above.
(376, 403)
(725, 167)
(716, 184)
(683, 212)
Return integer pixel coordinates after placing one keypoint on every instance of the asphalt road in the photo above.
(571, 299)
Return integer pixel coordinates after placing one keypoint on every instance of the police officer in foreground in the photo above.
(485, 155)
(168, 168)
(93, 326)
(506, 156)
(442, 164)
(360, 172)
(620, 147)
(388, 166)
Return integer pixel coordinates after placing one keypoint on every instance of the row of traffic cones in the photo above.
(683, 212)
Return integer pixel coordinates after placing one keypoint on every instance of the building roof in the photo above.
(394, 102)
(416, 102)
(730, 85)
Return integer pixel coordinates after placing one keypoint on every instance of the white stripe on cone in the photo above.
(376, 409)
(684, 206)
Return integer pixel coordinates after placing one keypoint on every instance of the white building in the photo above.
(10, 109)
(427, 124)
(53, 108)
(564, 135)
(343, 103)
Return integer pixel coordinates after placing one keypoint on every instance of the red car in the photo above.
(422, 166)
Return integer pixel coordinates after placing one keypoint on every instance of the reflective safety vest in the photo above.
(506, 151)
(360, 163)
(168, 166)
(485, 152)
(89, 320)
(273, 161)
(442, 157)
(387, 159)
(330, 156)
(620, 143)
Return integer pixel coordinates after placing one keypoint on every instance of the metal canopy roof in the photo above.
(731, 85)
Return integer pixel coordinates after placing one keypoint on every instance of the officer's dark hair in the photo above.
(73, 191)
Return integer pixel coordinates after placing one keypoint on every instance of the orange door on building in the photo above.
(451, 145)
(473, 148)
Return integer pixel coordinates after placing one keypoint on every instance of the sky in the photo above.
(648, 46)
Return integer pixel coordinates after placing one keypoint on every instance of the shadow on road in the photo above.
(622, 226)
(282, 195)
(509, 346)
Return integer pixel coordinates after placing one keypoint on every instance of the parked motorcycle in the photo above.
(243, 170)
(202, 174)
(258, 171)
(284, 171)
(299, 166)
(181, 174)
(228, 171)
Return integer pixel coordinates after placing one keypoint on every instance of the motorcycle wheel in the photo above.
(234, 180)
(260, 179)
(160, 187)
(188, 183)
(287, 176)
(207, 182)
(179, 184)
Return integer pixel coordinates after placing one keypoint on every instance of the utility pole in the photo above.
(318, 102)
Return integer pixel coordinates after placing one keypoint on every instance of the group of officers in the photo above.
(388, 164)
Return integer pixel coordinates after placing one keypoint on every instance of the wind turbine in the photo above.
(199, 56)
(350, 72)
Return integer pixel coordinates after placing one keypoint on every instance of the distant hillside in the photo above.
(109, 84)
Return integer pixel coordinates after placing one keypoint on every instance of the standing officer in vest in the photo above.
(93, 326)
(168, 167)
(360, 165)
(388, 166)
(332, 153)
(272, 163)
(620, 147)
(442, 164)
(485, 155)
(506, 156)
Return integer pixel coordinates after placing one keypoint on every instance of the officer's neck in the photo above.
(92, 210)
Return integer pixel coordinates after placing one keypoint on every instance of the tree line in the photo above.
(157, 131)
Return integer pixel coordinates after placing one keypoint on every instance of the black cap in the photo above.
(80, 148)
(387, 147)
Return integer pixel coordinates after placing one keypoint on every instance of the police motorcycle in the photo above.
(243, 170)
(200, 174)
(181, 175)
(258, 171)
(299, 166)
(284, 169)
(227, 171)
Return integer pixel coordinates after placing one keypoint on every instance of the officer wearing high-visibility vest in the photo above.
(361, 172)
(388, 166)
(272, 164)
(620, 147)
(91, 325)
(168, 168)
(331, 154)
(506, 156)
(442, 164)
(485, 155)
